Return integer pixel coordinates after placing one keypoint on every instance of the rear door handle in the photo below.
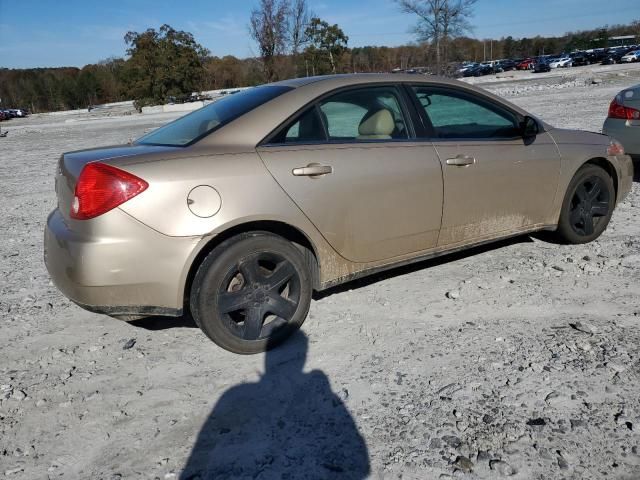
(312, 170)
(461, 161)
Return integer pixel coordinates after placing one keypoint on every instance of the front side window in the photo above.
(200, 123)
(458, 115)
(364, 114)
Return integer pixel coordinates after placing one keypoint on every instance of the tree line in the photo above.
(292, 41)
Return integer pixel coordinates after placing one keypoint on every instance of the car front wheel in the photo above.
(587, 206)
(251, 292)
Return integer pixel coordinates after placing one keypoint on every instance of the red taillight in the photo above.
(101, 188)
(621, 112)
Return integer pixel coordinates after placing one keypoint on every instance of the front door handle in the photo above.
(313, 170)
(461, 161)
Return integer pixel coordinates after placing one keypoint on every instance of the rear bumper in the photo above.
(116, 265)
(624, 168)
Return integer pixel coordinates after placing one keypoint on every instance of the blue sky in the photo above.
(42, 33)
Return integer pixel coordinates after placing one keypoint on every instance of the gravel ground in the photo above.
(520, 360)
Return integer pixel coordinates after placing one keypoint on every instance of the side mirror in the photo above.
(529, 127)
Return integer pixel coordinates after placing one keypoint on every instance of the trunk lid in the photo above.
(71, 164)
(631, 97)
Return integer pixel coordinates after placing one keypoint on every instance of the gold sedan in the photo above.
(237, 212)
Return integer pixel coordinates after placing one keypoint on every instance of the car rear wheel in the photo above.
(588, 205)
(251, 293)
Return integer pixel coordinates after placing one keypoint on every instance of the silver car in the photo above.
(623, 122)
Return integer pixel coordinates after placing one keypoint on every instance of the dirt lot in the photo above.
(519, 360)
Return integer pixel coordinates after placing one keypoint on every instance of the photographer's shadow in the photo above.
(287, 425)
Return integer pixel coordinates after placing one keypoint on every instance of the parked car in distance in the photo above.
(563, 62)
(623, 120)
(507, 65)
(238, 211)
(527, 64)
(464, 67)
(8, 114)
(470, 65)
(614, 55)
(579, 59)
(491, 67)
(16, 112)
(633, 56)
(597, 55)
(541, 67)
(478, 71)
(610, 59)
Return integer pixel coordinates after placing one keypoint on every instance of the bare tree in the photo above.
(439, 20)
(299, 17)
(269, 28)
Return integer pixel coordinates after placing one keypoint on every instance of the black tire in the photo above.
(237, 301)
(588, 205)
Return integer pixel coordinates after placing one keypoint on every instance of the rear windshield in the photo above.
(192, 127)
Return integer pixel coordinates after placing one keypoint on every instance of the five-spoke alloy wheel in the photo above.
(251, 292)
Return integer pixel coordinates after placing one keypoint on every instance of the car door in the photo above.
(495, 181)
(351, 163)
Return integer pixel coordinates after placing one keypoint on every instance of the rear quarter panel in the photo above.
(246, 189)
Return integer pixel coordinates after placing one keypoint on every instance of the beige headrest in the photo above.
(378, 125)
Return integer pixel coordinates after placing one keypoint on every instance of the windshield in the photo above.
(192, 127)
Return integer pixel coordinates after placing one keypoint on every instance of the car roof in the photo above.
(347, 79)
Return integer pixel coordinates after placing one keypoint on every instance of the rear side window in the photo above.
(459, 115)
(343, 119)
(361, 114)
(364, 114)
(196, 125)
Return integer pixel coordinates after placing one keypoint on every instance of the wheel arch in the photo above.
(281, 229)
(608, 167)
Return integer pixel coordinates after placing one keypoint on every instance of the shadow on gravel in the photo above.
(289, 424)
(398, 271)
(164, 323)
